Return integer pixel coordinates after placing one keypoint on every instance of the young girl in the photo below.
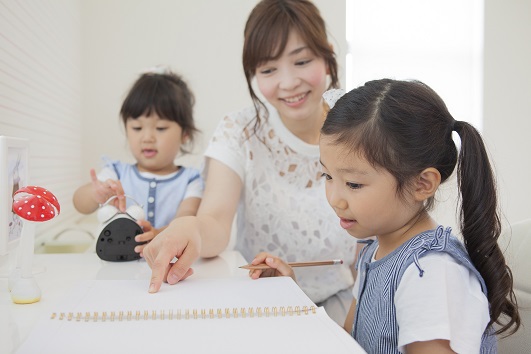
(263, 162)
(157, 114)
(385, 149)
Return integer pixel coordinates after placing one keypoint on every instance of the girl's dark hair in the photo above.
(266, 35)
(405, 127)
(165, 94)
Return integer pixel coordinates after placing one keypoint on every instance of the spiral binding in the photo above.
(186, 314)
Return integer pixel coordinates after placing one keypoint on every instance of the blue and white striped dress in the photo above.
(375, 323)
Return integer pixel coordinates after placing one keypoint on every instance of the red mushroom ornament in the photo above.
(33, 204)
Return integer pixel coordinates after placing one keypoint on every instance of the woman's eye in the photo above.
(303, 62)
(326, 175)
(352, 185)
(267, 71)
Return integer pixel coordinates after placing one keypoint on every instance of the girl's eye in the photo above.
(326, 175)
(352, 185)
(161, 129)
(136, 129)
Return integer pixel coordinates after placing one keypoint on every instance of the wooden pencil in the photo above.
(263, 266)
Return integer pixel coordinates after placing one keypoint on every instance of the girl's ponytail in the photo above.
(405, 127)
(480, 225)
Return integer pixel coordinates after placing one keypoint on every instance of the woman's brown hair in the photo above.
(266, 35)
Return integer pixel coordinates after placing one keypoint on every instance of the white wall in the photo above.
(40, 91)
(201, 39)
(507, 102)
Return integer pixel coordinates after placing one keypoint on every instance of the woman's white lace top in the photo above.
(283, 208)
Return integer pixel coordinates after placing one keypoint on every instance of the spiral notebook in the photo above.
(221, 315)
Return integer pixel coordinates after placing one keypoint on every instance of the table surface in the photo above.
(56, 274)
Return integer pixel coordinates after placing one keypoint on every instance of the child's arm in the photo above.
(349, 321)
(458, 309)
(87, 198)
(437, 346)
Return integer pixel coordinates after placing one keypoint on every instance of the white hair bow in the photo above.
(156, 70)
(331, 96)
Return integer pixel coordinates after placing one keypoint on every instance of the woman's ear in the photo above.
(426, 184)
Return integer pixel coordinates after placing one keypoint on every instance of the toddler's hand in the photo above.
(102, 191)
(149, 234)
(278, 267)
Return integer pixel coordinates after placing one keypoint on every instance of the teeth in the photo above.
(294, 99)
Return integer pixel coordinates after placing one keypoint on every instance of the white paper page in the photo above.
(116, 295)
(312, 333)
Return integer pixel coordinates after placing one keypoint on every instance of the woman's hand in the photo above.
(277, 267)
(180, 239)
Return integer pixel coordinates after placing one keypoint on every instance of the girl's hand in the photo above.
(102, 191)
(149, 234)
(278, 267)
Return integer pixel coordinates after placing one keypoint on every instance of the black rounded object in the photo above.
(116, 242)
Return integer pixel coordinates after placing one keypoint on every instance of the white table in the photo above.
(59, 272)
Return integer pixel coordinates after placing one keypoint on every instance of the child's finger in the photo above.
(93, 176)
(139, 249)
(281, 267)
(146, 236)
(260, 258)
(118, 190)
(255, 273)
(145, 225)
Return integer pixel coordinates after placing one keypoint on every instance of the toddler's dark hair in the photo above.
(165, 94)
